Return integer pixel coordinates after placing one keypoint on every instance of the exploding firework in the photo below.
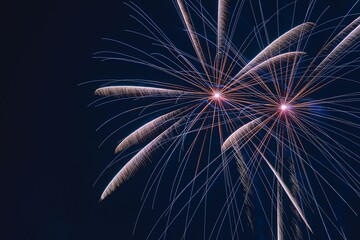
(289, 121)
(270, 114)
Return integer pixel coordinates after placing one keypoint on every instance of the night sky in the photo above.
(49, 152)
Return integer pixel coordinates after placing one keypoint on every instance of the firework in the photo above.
(266, 105)
(290, 124)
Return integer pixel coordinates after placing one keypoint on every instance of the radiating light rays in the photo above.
(264, 113)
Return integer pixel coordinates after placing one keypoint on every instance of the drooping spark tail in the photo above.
(242, 132)
(137, 91)
(343, 33)
(341, 47)
(222, 12)
(138, 160)
(245, 181)
(267, 64)
(287, 191)
(235, 137)
(148, 130)
(284, 41)
(192, 34)
(221, 29)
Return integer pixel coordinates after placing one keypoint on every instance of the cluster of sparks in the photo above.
(262, 112)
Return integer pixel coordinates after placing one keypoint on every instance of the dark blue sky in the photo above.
(50, 156)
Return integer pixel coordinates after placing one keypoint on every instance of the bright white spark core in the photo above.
(217, 95)
(284, 107)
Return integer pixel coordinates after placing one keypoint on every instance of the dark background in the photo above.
(49, 149)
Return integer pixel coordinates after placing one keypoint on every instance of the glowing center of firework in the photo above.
(217, 95)
(284, 107)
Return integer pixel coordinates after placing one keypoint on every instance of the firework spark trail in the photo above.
(135, 162)
(221, 34)
(287, 191)
(245, 181)
(222, 18)
(192, 34)
(279, 44)
(335, 54)
(343, 33)
(136, 91)
(147, 130)
(240, 133)
(265, 65)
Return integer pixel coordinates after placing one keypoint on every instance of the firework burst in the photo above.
(269, 113)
